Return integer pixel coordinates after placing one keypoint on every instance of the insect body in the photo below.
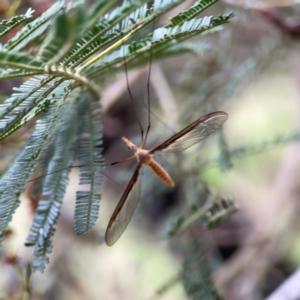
(144, 157)
(187, 137)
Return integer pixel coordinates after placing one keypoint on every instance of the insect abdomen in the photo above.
(161, 172)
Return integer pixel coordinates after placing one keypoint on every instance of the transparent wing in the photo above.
(124, 210)
(192, 134)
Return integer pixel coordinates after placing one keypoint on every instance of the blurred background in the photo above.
(251, 70)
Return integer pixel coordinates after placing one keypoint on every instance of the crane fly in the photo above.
(187, 137)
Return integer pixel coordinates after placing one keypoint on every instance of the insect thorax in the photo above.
(143, 156)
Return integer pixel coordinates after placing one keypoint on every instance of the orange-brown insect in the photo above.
(187, 137)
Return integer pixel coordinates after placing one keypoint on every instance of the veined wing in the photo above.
(124, 210)
(192, 134)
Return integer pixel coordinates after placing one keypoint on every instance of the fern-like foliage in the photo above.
(210, 213)
(41, 251)
(196, 274)
(14, 180)
(69, 52)
(55, 184)
(88, 152)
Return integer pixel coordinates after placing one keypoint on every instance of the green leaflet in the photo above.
(89, 152)
(7, 25)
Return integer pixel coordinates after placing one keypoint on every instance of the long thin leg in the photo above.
(123, 160)
(70, 167)
(131, 98)
(83, 165)
(148, 93)
(102, 172)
